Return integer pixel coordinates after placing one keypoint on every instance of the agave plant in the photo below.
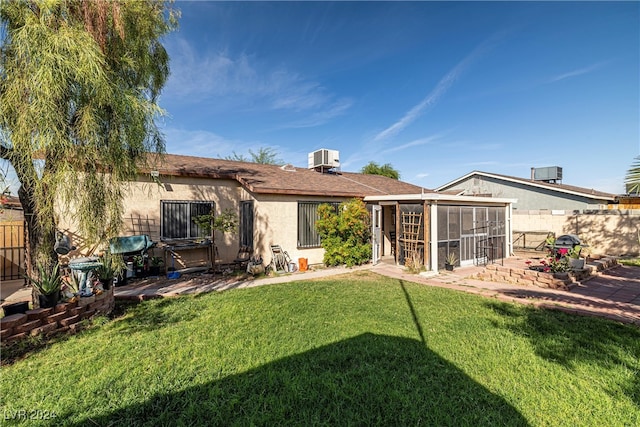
(110, 266)
(48, 281)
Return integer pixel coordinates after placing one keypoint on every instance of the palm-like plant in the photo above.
(633, 177)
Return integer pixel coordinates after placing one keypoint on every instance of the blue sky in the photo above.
(436, 89)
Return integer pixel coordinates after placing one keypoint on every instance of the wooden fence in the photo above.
(12, 250)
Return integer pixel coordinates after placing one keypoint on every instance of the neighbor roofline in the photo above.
(527, 182)
(437, 197)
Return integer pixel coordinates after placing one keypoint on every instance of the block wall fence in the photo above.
(610, 232)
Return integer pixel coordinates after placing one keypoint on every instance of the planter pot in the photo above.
(154, 270)
(106, 283)
(48, 301)
(16, 308)
(448, 267)
(576, 264)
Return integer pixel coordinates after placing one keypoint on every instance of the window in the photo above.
(177, 219)
(246, 223)
(308, 237)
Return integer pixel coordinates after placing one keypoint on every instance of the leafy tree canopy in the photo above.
(264, 155)
(79, 82)
(372, 168)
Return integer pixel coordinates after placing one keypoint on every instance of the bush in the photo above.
(345, 233)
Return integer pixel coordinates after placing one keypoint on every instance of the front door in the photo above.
(376, 233)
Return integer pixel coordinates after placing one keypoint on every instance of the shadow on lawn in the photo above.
(567, 339)
(366, 380)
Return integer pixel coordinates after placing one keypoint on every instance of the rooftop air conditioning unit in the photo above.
(548, 174)
(324, 159)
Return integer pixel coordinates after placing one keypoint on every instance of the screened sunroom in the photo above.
(427, 228)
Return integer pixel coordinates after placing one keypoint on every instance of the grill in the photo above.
(567, 241)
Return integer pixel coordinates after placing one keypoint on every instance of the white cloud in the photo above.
(434, 96)
(245, 82)
(200, 143)
(414, 143)
(577, 72)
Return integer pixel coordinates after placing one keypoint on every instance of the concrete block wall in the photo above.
(64, 317)
(611, 232)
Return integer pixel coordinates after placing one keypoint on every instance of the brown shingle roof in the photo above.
(272, 179)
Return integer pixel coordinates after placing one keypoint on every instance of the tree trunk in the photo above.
(39, 242)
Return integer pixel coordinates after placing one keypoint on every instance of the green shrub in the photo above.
(345, 233)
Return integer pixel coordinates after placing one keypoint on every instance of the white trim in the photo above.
(439, 197)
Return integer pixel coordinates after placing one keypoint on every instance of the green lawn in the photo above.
(356, 350)
(635, 262)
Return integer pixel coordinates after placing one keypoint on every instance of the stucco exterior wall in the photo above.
(276, 223)
(610, 232)
(275, 217)
(528, 197)
(142, 210)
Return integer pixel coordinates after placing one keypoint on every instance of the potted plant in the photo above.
(110, 267)
(48, 284)
(450, 261)
(20, 307)
(138, 265)
(155, 262)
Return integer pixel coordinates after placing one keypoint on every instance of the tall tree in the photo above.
(632, 180)
(372, 168)
(265, 156)
(79, 81)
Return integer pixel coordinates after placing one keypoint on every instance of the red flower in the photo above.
(528, 262)
(563, 251)
(543, 262)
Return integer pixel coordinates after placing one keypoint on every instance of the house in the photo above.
(276, 205)
(543, 190)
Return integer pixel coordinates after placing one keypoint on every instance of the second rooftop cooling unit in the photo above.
(548, 174)
(324, 159)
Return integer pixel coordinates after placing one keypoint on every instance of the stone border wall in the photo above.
(563, 281)
(62, 318)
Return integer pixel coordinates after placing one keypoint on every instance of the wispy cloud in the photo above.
(578, 72)
(434, 96)
(335, 109)
(200, 143)
(246, 83)
(414, 143)
(422, 175)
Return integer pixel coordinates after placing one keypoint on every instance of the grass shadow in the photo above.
(366, 380)
(567, 339)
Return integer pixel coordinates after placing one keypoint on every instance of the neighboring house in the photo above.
(277, 205)
(532, 194)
